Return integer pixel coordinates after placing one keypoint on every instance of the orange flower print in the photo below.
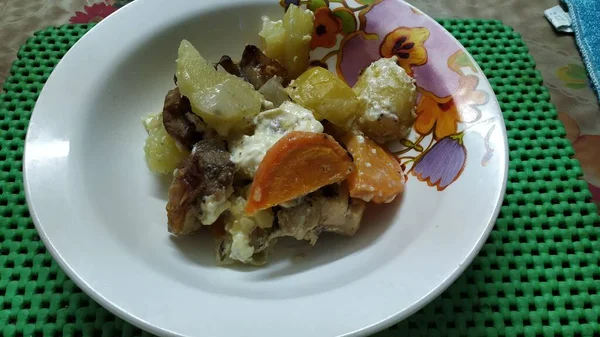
(436, 113)
(327, 26)
(407, 44)
(442, 114)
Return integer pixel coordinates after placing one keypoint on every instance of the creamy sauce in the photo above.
(241, 226)
(212, 206)
(240, 247)
(271, 125)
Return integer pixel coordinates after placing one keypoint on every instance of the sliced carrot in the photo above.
(298, 164)
(378, 175)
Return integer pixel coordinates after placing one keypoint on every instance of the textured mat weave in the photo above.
(537, 275)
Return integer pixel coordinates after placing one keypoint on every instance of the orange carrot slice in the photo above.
(298, 164)
(378, 175)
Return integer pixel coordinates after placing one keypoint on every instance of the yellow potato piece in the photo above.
(162, 153)
(273, 36)
(298, 25)
(326, 95)
(288, 40)
(225, 102)
(387, 95)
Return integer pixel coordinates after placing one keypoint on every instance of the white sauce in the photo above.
(212, 206)
(240, 247)
(257, 194)
(271, 125)
(241, 226)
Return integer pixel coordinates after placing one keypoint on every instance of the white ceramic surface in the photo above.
(101, 213)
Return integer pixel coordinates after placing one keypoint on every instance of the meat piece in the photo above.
(205, 172)
(328, 210)
(255, 67)
(300, 221)
(180, 122)
(345, 220)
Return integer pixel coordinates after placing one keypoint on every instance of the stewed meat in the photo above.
(328, 210)
(206, 172)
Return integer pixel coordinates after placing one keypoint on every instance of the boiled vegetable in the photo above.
(288, 40)
(326, 95)
(298, 164)
(224, 101)
(378, 175)
(387, 95)
(162, 153)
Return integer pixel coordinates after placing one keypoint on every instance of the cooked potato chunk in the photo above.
(326, 95)
(162, 153)
(298, 25)
(288, 40)
(225, 102)
(387, 95)
(273, 36)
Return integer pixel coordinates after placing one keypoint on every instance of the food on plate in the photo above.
(327, 210)
(326, 95)
(180, 122)
(245, 236)
(201, 186)
(162, 153)
(298, 164)
(224, 101)
(265, 148)
(288, 40)
(378, 175)
(248, 151)
(387, 95)
(255, 67)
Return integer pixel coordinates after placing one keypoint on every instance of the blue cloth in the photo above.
(585, 16)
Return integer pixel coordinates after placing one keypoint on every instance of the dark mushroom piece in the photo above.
(180, 122)
(255, 67)
(231, 67)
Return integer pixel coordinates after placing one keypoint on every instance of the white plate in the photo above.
(101, 213)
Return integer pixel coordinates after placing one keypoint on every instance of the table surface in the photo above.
(556, 55)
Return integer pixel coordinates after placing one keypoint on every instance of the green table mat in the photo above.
(537, 274)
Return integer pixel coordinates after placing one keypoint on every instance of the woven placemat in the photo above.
(537, 275)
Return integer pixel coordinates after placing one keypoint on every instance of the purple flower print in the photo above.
(443, 163)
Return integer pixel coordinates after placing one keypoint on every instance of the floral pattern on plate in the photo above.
(350, 35)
